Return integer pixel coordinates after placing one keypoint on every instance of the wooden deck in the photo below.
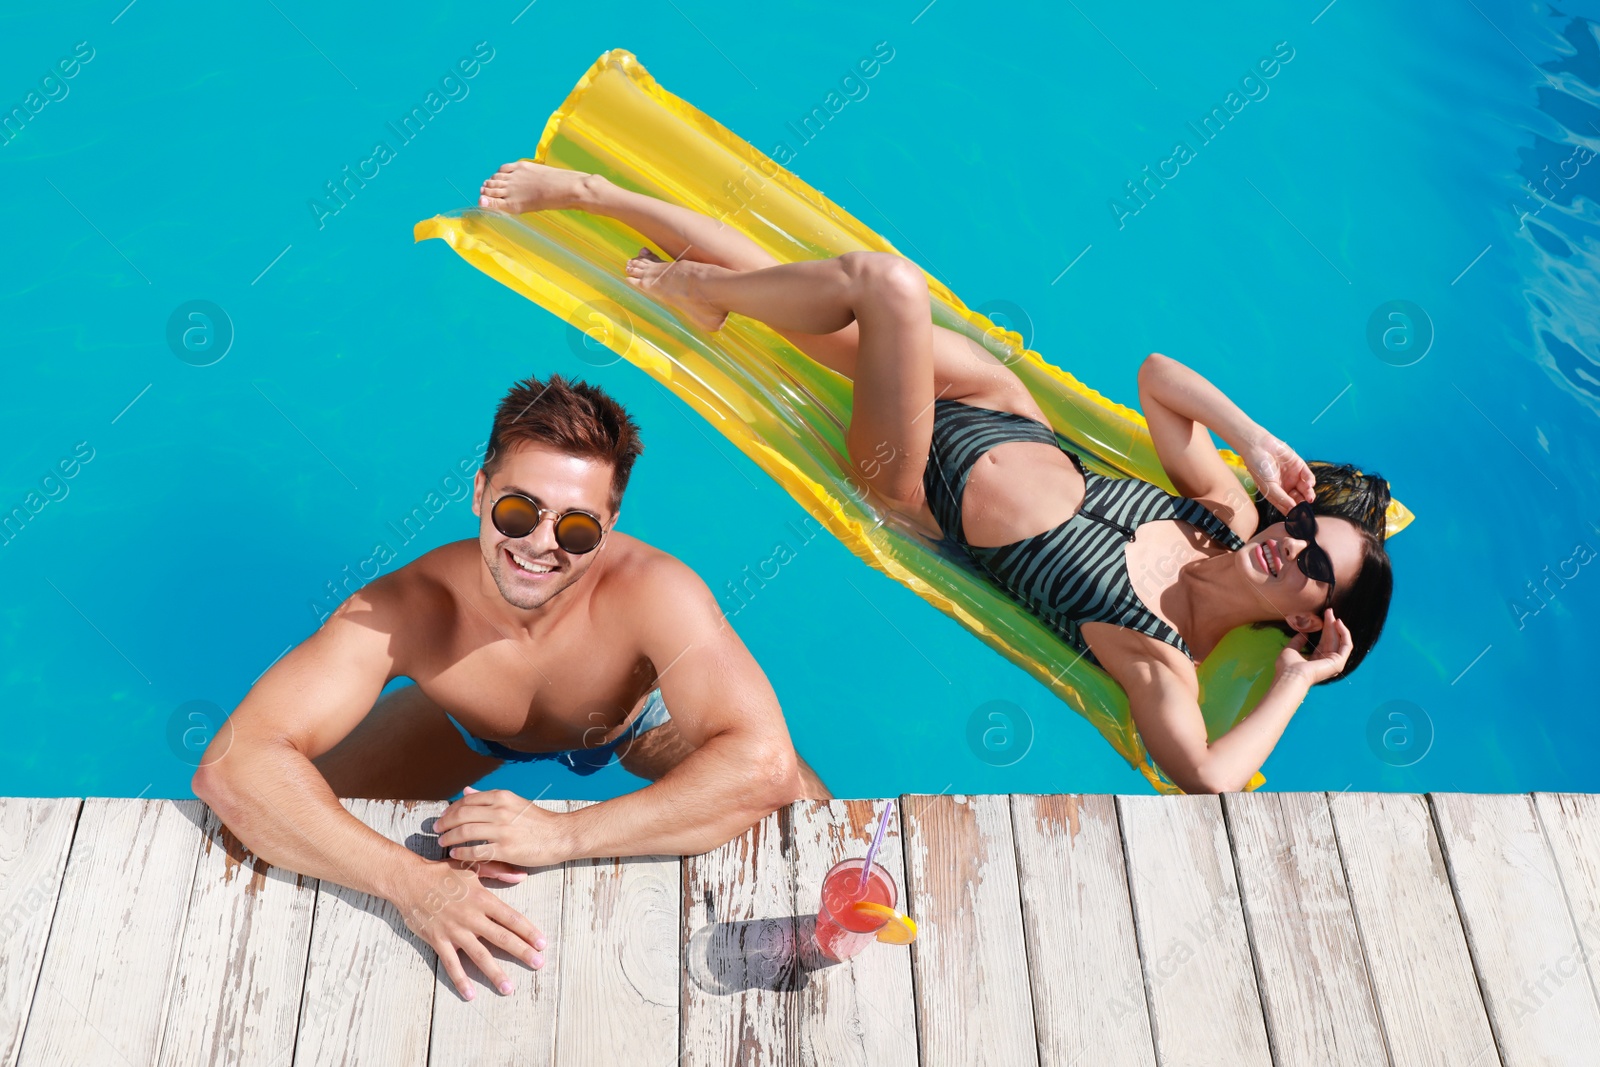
(1271, 928)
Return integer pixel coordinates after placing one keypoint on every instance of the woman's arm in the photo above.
(1167, 713)
(1164, 699)
(1181, 408)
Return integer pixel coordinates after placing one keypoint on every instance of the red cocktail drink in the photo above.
(841, 930)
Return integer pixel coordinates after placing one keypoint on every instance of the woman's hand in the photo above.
(1282, 476)
(1333, 651)
(513, 830)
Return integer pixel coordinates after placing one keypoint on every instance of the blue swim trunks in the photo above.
(578, 760)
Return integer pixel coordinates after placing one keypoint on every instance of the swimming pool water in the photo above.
(188, 519)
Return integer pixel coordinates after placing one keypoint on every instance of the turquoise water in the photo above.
(185, 519)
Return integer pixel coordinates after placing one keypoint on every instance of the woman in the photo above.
(1142, 582)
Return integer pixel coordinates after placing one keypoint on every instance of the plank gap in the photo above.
(311, 935)
(55, 905)
(1566, 890)
(917, 991)
(1138, 928)
(1466, 935)
(1274, 1044)
(1027, 942)
(553, 942)
(183, 927)
(1361, 935)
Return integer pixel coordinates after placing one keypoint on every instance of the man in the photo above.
(551, 636)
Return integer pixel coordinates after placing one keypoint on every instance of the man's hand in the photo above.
(444, 905)
(513, 830)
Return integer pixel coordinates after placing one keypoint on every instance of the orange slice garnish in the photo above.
(898, 929)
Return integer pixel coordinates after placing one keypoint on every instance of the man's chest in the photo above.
(546, 696)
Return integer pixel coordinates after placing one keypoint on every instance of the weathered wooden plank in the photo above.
(971, 966)
(740, 950)
(620, 961)
(1422, 977)
(492, 1030)
(1198, 971)
(862, 1011)
(236, 996)
(114, 944)
(1524, 946)
(1319, 1006)
(369, 979)
(1079, 927)
(34, 837)
(1571, 824)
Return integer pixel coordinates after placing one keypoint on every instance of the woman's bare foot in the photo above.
(527, 186)
(677, 284)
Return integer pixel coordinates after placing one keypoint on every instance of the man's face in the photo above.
(530, 570)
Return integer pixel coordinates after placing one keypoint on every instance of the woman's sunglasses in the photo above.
(516, 515)
(1314, 560)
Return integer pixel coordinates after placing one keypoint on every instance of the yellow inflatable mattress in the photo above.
(783, 410)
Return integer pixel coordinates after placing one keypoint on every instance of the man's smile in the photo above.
(529, 568)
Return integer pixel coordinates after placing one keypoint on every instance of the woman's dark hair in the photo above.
(1343, 492)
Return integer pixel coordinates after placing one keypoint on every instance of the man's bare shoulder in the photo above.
(653, 584)
(416, 602)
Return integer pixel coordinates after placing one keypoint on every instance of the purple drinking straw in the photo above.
(877, 839)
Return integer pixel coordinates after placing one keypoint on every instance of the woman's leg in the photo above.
(678, 231)
(885, 296)
(962, 370)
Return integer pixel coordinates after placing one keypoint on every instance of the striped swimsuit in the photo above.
(1076, 572)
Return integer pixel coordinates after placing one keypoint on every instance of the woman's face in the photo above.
(1268, 562)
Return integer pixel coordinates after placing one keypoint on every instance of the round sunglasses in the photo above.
(516, 515)
(1314, 561)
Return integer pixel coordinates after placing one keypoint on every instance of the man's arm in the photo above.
(258, 777)
(743, 768)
